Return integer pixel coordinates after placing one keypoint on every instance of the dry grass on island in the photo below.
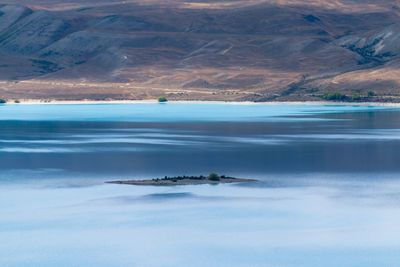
(212, 178)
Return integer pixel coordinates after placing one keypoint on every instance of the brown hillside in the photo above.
(211, 50)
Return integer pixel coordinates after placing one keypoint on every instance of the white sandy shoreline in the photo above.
(95, 102)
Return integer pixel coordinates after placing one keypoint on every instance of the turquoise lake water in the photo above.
(328, 191)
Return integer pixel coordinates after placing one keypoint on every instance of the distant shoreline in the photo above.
(94, 102)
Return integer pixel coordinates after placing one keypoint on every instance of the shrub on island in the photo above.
(3, 101)
(214, 177)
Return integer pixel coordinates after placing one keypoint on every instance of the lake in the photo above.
(328, 191)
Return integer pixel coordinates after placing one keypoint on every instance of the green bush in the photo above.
(162, 99)
(213, 177)
(3, 101)
(356, 97)
(334, 97)
(371, 93)
(17, 101)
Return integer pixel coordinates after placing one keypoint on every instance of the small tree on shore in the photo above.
(162, 99)
(3, 101)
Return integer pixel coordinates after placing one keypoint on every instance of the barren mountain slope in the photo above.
(211, 50)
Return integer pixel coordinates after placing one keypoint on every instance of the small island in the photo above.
(213, 178)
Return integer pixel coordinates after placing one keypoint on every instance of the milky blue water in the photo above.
(328, 191)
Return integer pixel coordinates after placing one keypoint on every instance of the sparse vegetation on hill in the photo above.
(334, 97)
(355, 97)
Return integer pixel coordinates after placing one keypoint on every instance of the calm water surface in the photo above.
(328, 193)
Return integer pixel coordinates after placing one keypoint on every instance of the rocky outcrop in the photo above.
(378, 46)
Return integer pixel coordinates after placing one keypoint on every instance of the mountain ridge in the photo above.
(200, 50)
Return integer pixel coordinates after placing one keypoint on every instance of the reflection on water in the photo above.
(340, 223)
(328, 193)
